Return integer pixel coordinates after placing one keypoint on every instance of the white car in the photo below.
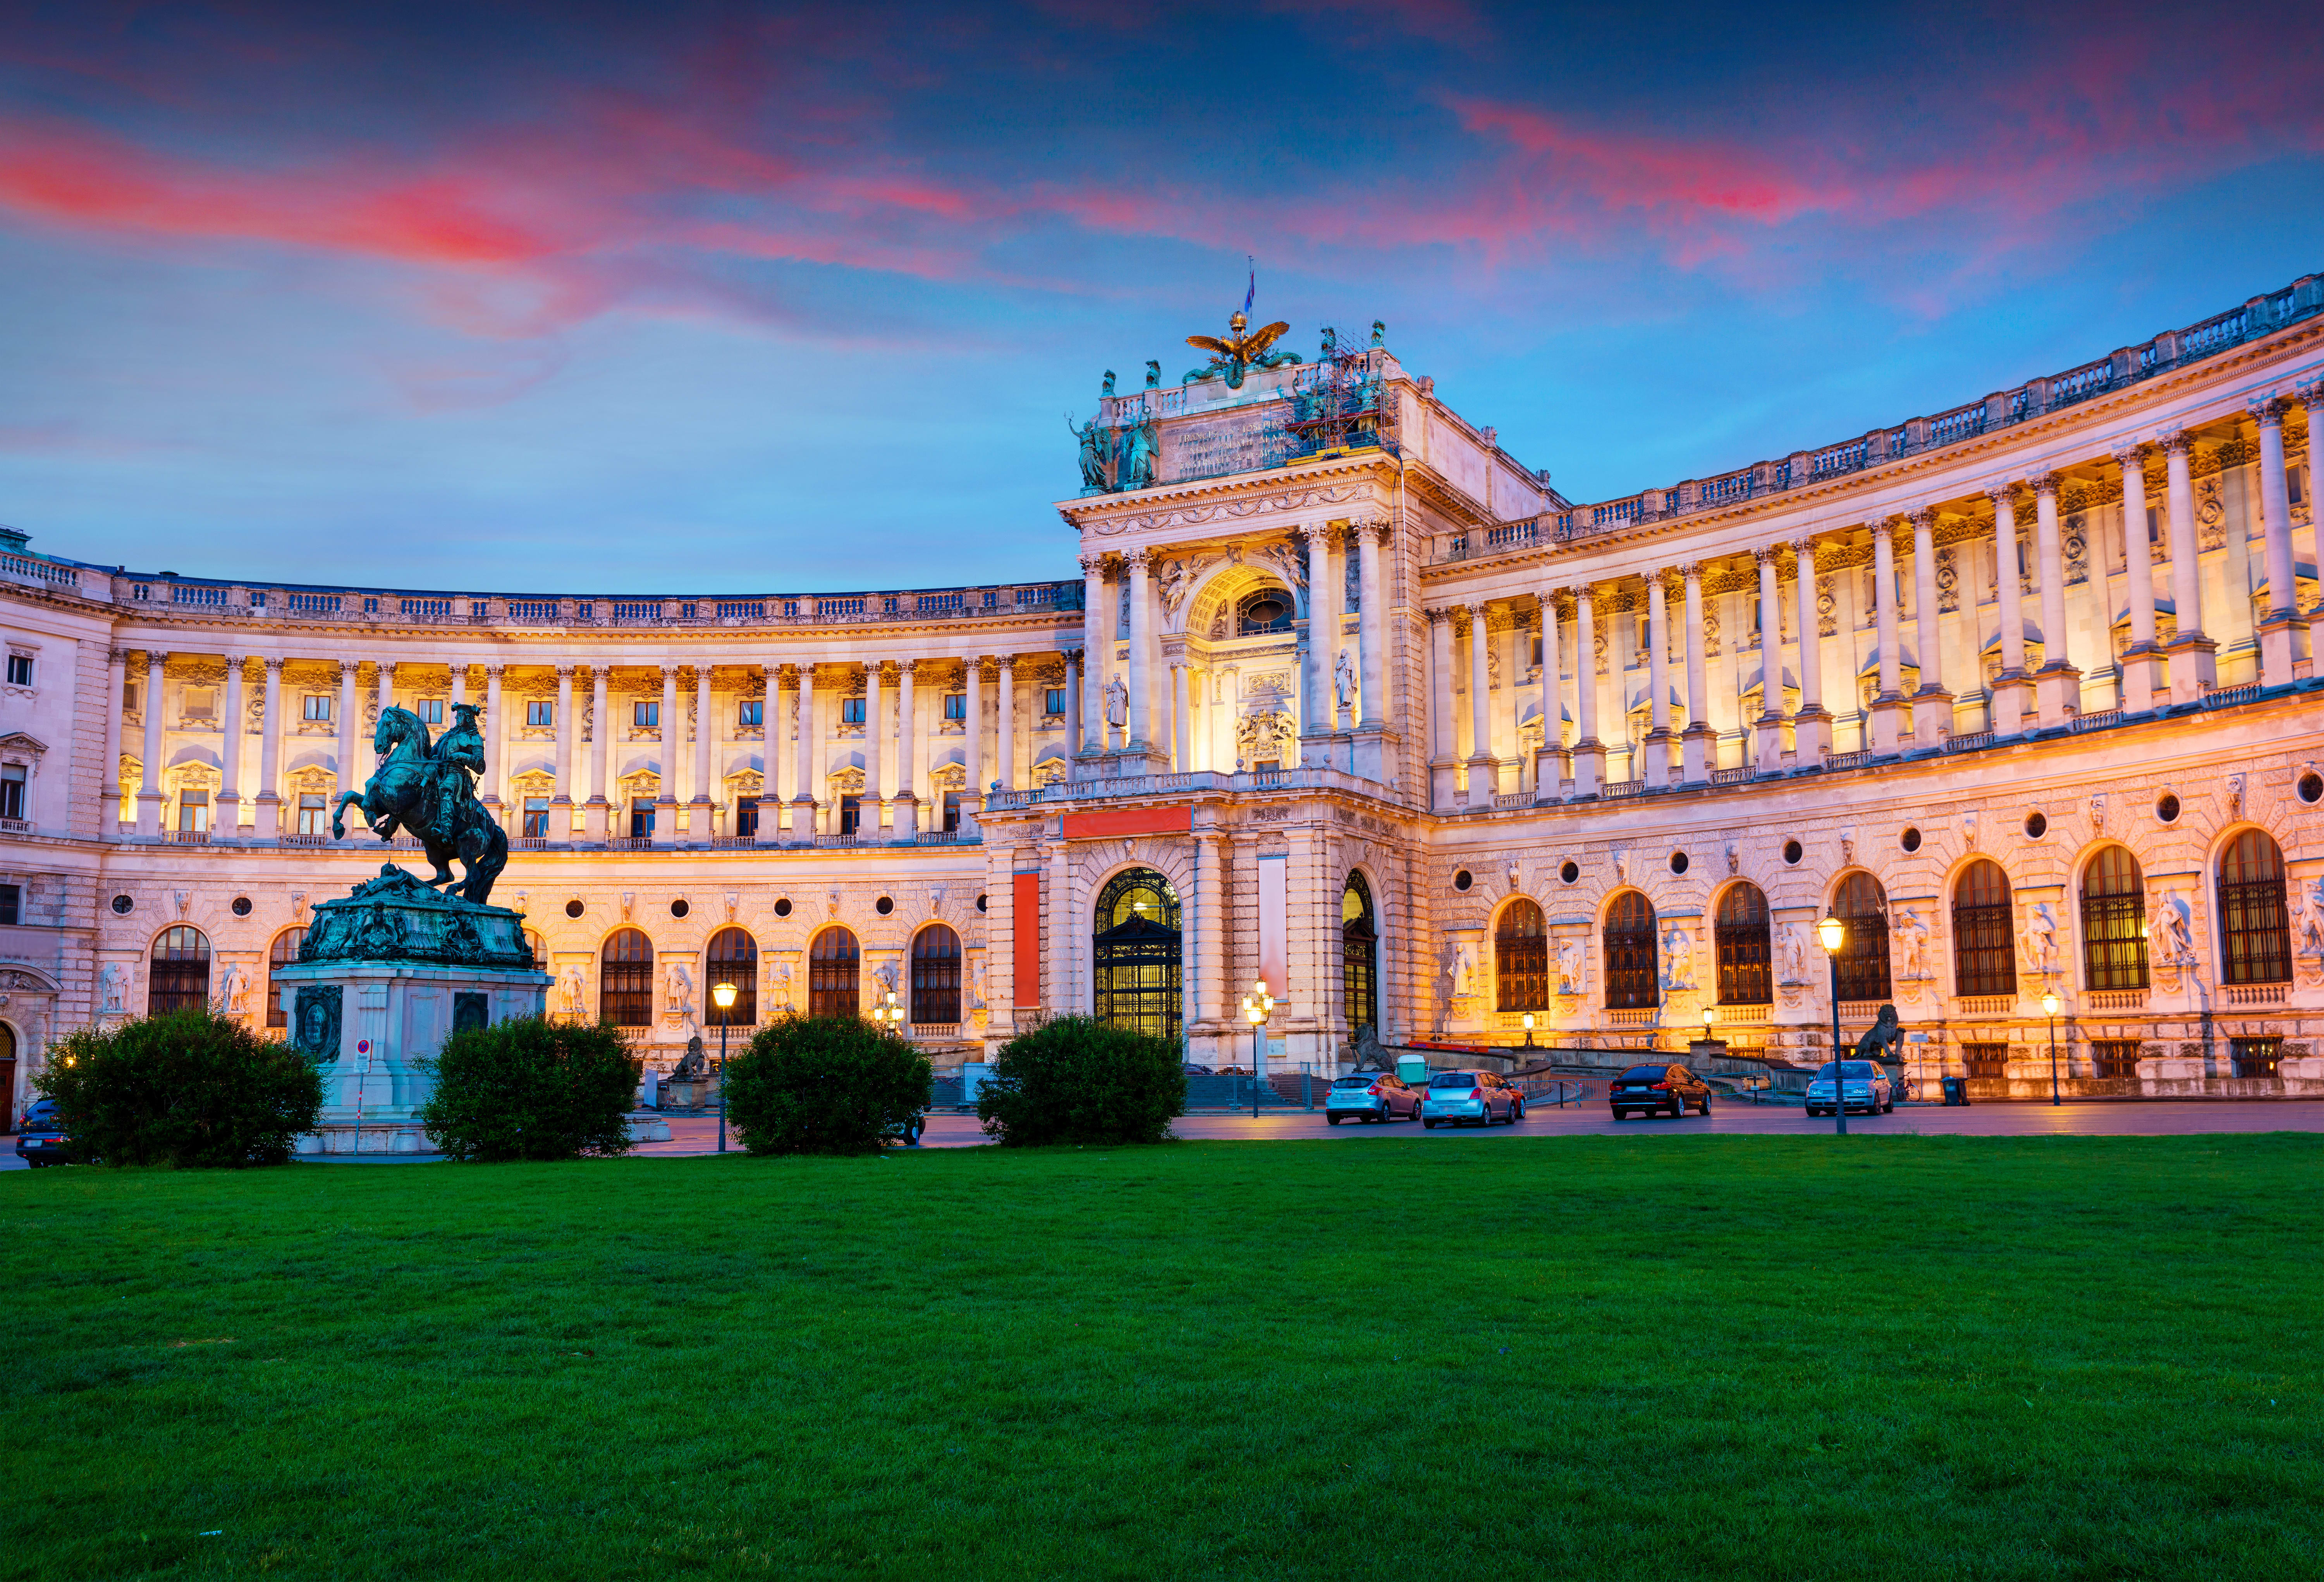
(1864, 1087)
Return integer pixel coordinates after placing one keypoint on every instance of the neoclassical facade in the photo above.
(1344, 697)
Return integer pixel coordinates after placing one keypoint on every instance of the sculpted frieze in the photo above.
(1243, 510)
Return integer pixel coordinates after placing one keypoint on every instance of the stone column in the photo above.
(1371, 629)
(1076, 703)
(560, 800)
(1097, 643)
(1932, 703)
(1700, 742)
(108, 783)
(456, 673)
(1443, 742)
(1198, 718)
(1326, 589)
(2194, 657)
(972, 681)
(1658, 735)
(665, 830)
(228, 820)
(2282, 609)
(1141, 656)
(870, 810)
(2009, 687)
(1549, 763)
(1484, 763)
(350, 778)
(270, 755)
(1588, 752)
(2311, 395)
(1768, 729)
(148, 785)
(1811, 725)
(909, 743)
(1887, 726)
(495, 733)
(1181, 737)
(803, 786)
(2057, 685)
(1004, 732)
(706, 747)
(597, 812)
(2142, 659)
(383, 674)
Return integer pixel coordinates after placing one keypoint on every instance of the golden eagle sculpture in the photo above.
(1238, 354)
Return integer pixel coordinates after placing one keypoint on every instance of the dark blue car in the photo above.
(41, 1138)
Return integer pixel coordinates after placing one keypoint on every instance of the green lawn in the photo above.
(1590, 1356)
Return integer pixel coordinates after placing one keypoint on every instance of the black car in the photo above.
(1658, 1090)
(40, 1140)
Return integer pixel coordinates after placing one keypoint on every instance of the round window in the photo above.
(574, 908)
(2167, 810)
(883, 906)
(1791, 851)
(1678, 862)
(2312, 787)
(980, 903)
(2036, 826)
(1570, 871)
(1912, 840)
(242, 906)
(678, 908)
(1462, 881)
(123, 904)
(783, 906)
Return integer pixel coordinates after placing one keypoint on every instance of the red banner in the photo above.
(1113, 823)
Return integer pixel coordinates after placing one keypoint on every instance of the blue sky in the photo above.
(721, 299)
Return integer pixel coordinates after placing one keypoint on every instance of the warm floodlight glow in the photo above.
(2049, 1002)
(722, 995)
(1832, 932)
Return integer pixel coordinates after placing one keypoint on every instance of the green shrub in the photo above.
(531, 1088)
(823, 1085)
(187, 1087)
(1078, 1080)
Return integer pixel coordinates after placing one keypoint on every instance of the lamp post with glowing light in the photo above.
(722, 996)
(1528, 1027)
(1256, 1007)
(2050, 1010)
(1833, 933)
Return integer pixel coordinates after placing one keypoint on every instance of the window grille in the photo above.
(1632, 982)
(1521, 958)
(732, 957)
(281, 954)
(1136, 954)
(2255, 1057)
(625, 980)
(2252, 921)
(1741, 935)
(1863, 906)
(936, 975)
(2114, 1057)
(179, 972)
(1986, 1060)
(1358, 954)
(2114, 923)
(833, 967)
(1985, 953)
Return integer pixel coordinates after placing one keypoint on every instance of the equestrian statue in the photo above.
(431, 792)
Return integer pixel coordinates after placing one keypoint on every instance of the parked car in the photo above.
(1864, 1087)
(1378, 1096)
(40, 1140)
(1657, 1090)
(1456, 1098)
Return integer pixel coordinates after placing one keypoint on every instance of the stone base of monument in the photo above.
(382, 979)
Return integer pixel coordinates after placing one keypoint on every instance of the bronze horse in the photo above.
(427, 790)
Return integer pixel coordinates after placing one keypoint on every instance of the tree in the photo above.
(1075, 1079)
(824, 1085)
(186, 1088)
(532, 1088)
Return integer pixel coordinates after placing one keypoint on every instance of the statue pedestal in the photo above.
(383, 978)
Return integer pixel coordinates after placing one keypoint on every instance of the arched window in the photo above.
(625, 980)
(1740, 934)
(533, 942)
(1268, 610)
(1985, 949)
(281, 954)
(834, 967)
(180, 975)
(1863, 906)
(1137, 954)
(936, 976)
(732, 957)
(2114, 921)
(2251, 922)
(1521, 957)
(1358, 955)
(1631, 981)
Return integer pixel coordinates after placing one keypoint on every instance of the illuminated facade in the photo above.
(1343, 696)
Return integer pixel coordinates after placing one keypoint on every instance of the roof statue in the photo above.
(1239, 353)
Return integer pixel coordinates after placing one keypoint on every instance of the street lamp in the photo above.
(889, 1013)
(722, 996)
(1528, 1027)
(1833, 933)
(2050, 1010)
(1258, 1005)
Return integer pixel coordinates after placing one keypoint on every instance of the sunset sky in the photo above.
(589, 298)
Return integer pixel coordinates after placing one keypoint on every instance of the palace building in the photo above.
(1345, 698)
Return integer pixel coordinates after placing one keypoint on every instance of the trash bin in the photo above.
(1956, 1090)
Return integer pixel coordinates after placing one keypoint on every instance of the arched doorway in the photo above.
(1863, 906)
(1136, 957)
(1632, 983)
(1521, 957)
(1984, 953)
(280, 955)
(625, 980)
(1739, 935)
(1358, 955)
(2114, 921)
(936, 976)
(732, 957)
(180, 974)
(834, 974)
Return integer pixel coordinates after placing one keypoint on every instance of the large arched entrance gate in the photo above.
(1136, 956)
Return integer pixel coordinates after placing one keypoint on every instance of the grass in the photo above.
(2092, 1357)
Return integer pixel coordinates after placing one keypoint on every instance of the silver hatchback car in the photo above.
(1864, 1086)
(1459, 1097)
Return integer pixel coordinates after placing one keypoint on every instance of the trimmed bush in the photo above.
(823, 1085)
(1078, 1080)
(187, 1087)
(532, 1088)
